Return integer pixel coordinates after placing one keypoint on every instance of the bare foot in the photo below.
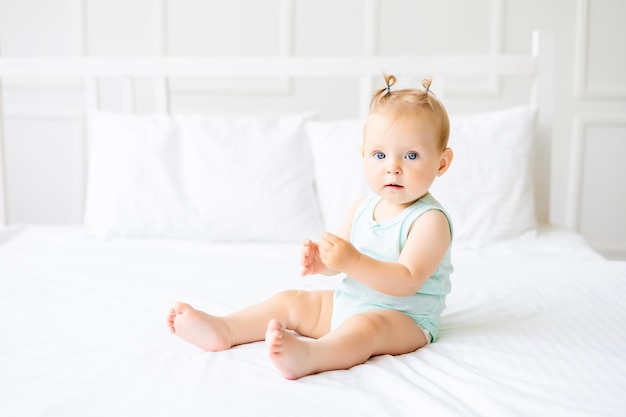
(207, 332)
(289, 354)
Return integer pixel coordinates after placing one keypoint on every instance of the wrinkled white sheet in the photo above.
(534, 327)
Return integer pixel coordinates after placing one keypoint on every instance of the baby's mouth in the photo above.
(395, 186)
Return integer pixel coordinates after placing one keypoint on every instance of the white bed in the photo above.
(534, 325)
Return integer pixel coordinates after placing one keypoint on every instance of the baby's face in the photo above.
(401, 155)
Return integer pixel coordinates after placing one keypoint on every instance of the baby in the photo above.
(393, 247)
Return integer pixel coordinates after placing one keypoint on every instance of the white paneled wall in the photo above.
(597, 187)
(44, 129)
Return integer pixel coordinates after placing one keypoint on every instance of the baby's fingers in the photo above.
(330, 238)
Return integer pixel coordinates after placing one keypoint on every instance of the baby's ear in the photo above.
(444, 163)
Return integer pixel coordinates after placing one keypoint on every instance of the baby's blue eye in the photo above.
(379, 155)
(411, 155)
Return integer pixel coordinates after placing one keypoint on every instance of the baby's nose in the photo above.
(393, 167)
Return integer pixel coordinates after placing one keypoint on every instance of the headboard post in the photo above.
(129, 99)
(543, 99)
(3, 185)
(161, 95)
(91, 103)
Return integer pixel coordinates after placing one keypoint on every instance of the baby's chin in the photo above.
(399, 195)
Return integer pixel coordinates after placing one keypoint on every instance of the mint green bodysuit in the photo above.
(384, 241)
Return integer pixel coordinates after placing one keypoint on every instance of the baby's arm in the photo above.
(425, 247)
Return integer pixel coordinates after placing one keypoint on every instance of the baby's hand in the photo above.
(337, 253)
(310, 258)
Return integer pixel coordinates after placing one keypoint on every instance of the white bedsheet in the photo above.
(534, 327)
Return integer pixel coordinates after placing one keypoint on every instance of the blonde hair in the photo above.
(413, 100)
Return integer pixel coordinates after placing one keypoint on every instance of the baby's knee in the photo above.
(372, 322)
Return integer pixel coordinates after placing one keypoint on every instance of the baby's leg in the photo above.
(307, 312)
(354, 342)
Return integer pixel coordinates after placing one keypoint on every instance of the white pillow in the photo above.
(488, 190)
(338, 167)
(217, 178)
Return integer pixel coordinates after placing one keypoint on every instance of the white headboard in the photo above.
(538, 65)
